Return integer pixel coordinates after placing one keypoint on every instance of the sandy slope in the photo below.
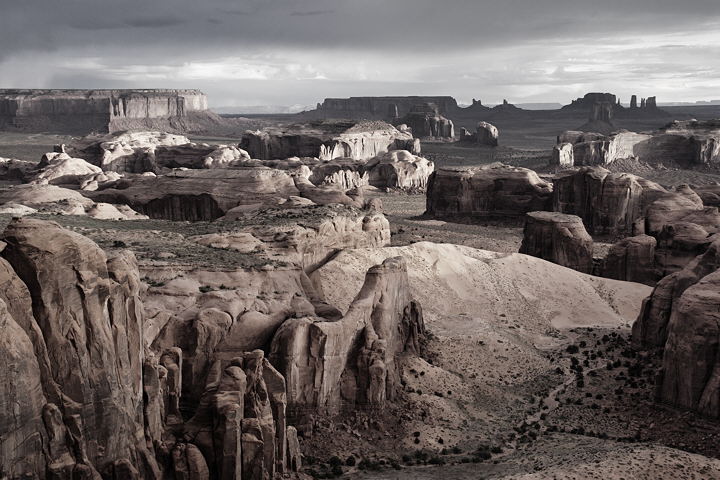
(497, 320)
(464, 290)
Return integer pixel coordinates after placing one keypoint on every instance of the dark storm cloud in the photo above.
(311, 13)
(428, 24)
(324, 43)
(156, 22)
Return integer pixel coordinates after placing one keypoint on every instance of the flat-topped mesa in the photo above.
(493, 190)
(381, 107)
(558, 238)
(589, 100)
(95, 110)
(328, 140)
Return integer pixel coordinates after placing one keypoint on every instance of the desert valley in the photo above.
(377, 288)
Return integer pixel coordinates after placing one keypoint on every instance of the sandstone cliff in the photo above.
(95, 110)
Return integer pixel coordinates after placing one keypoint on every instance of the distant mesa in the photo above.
(63, 110)
(381, 107)
(647, 107)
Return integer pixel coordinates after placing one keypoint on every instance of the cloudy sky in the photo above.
(283, 52)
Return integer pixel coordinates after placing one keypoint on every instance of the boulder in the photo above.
(558, 238)
(493, 190)
(709, 194)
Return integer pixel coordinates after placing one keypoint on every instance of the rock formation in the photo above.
(12, 169)
(485, 134)
(632, 259)
(608, 203)
(600, 119)
(97, 110)
(650, 329)
(139, 152)
(204, 194)
(328, 140)
(110, 383)
(425, 121)
(61, 168)
(399, 169)
(562, 156)
(683, 144)
(690, 375)
(558, 238)
(332, 366)
(489, 191)
(77, 318)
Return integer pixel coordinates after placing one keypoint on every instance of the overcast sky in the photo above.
(283, 52)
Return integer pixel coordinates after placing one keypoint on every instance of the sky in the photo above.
(286, 52)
